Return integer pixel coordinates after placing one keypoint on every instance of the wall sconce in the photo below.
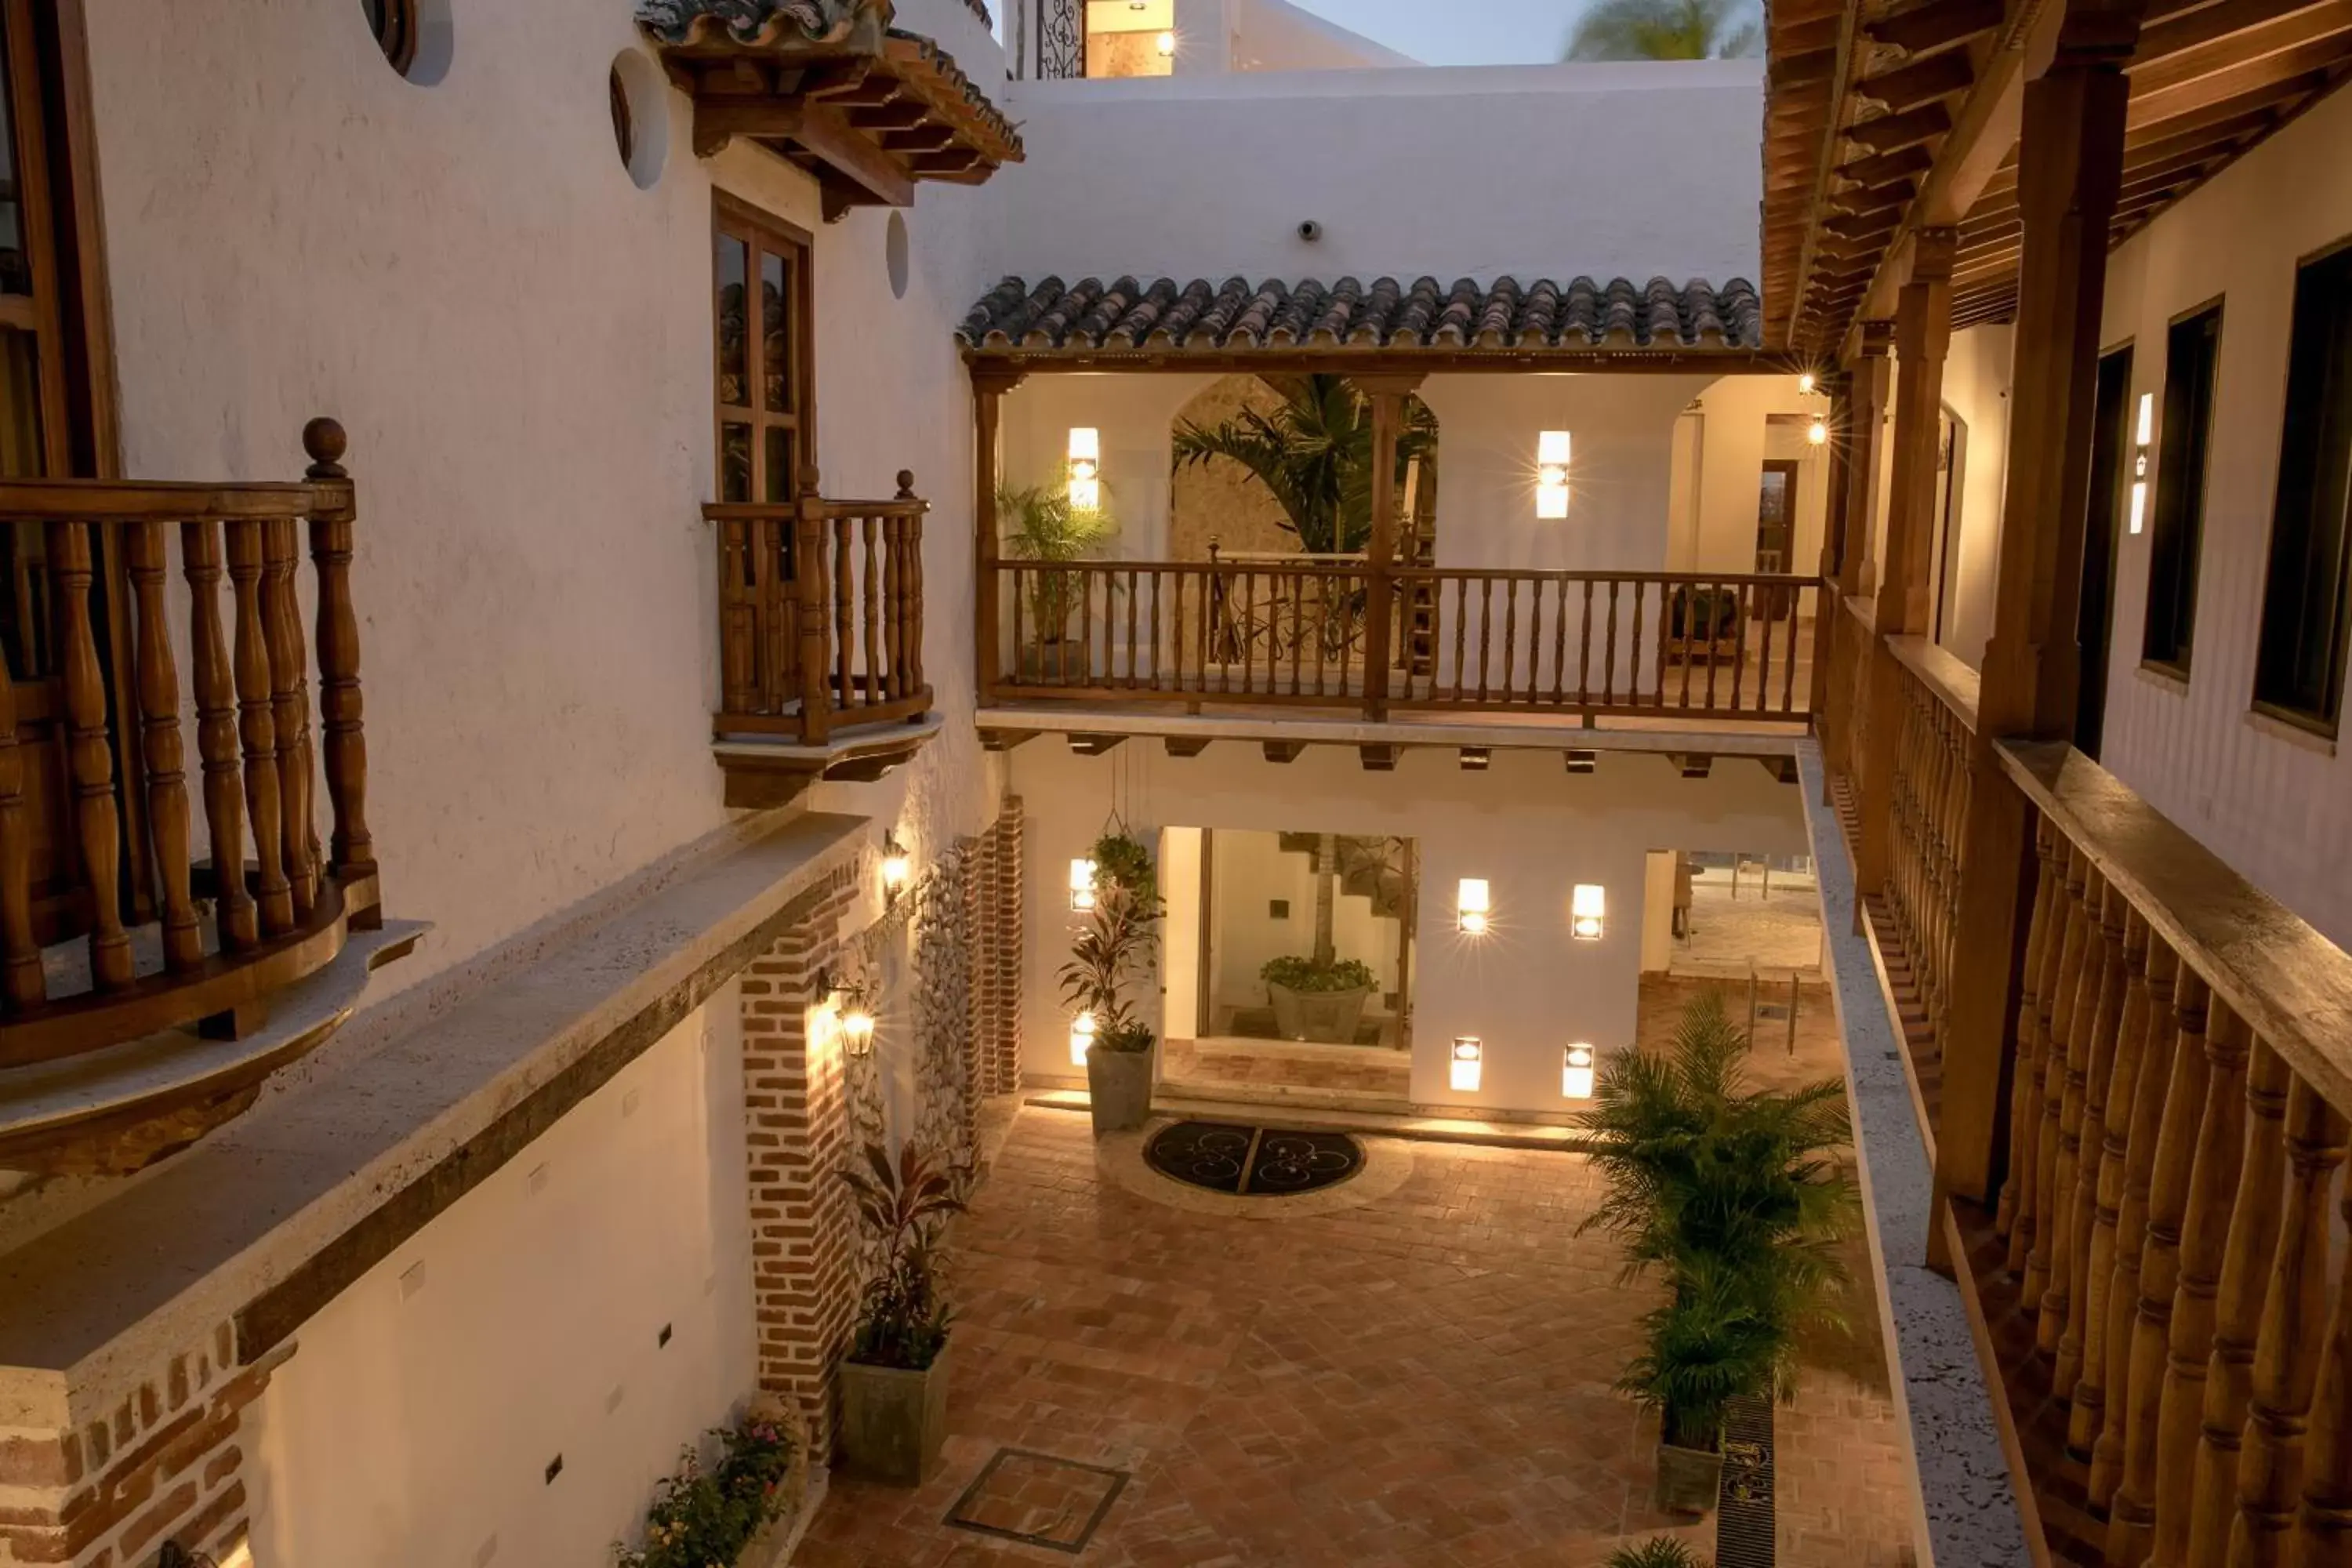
(1806, 383)
(1586, 910)
(1471, 907)
(1085, 468)
(898, 868)
(2143, 435)
(1082, 886)
(1576, 1073)
(1461, 1074)
(1551, 475)
(1167, 46)
(852, 1019)
(1817, 434)
(1082, 1038)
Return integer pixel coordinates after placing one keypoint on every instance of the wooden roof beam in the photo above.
(2187, 28)
(1909, 87)
(1895, 132)
(2314, 25)
(2243, 78)
(1935, 24)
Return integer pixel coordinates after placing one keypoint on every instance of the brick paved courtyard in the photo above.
(1421, 1381)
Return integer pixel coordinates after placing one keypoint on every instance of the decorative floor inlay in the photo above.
(1252, 1161)
(1746, 1523)
(1038, 1500)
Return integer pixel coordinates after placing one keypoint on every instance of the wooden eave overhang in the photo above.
(1885, 120)
(1305, 358)
(870, 112)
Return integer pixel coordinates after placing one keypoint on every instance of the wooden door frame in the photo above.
(732, 217)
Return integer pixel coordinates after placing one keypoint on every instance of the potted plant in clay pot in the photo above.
(894, 1386)
(1042, 526)
(1738, 1196)
(1113, 950)
(1319, 1002)
(743, 1508)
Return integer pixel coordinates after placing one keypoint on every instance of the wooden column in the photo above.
(1388, 394)
(988, 390)
(810, 586)
(1870, 392)
(341, 735)
(2071, 157)
(1923, 328)
(1837, 532)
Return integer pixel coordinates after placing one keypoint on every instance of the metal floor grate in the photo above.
(1745, 1521)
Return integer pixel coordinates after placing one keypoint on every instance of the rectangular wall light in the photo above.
(1082, 1038)
(2143, 435)
(1086, 468)
(1461, 1074)
(1586, 911)
(1082, 885)
(1576, 1073)
(1551, 475)
(1471, 907)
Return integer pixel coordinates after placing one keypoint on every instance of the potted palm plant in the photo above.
(894, 1386)
(1040, 524)
(1321, 996)
(1738, 1196)
(1113, 950)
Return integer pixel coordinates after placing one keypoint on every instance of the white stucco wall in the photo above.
(2277, 806)
(1976, 392)
(1274, 36)
(422, 1406)
(1715, 529)
(1532, 832)
(1407, 171)
(518, 340)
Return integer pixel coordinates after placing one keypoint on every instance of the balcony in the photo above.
(820, 641)
(158, 955)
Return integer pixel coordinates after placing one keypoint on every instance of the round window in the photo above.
(414, 35)
(639, 99)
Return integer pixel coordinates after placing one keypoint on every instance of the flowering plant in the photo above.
(704, 1517)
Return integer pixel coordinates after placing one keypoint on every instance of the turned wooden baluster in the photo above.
(21, 981)
(2245, 1278)
(257, 727)
(2071, 1037)
(2293, 1340)
(845, 613)
(809, 595)
(877, 673)
(2147, 1014)
(2205, 1242)
(290, 705)
(160, 745)
(2323, 1536)
(2057, 1006)
(343, 736)
(89, 760)
(2103, 993)
(915, 584)
(743, 573)
(2131, 1534)
(2126, 1018)
(209, 672)
(2014, 1218)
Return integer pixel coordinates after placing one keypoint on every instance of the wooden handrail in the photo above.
(110, 836)
(820, 612)
(1942, 672)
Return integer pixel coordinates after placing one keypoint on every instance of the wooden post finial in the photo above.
(324, 440)
(811, 482)
(906, 484)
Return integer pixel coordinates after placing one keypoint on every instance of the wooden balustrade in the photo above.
(820, 614)
(2159, 1276)
(1466, 640)
(115, 921)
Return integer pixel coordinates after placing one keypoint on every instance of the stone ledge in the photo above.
(406, 1109)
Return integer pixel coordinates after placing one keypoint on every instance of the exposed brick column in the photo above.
(796, 1114)
(972, 861)
(1000, 945)
(167, 1464)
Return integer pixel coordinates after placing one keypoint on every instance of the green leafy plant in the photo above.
(1658, 1552)
(1668, 30)
(1123, 861)
(1313, 455)
(1738, 1195)
(1295, 972)
(702, 1515)
(1038, 523)
(905, 1317)
(1112, 950)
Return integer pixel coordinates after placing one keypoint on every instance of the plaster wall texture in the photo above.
(518, 339)
(1715, 529)
(416, 1419)
(2273, 803)
(1531, 832)
(1407, 171)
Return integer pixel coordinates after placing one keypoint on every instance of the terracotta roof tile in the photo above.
(1127, 314)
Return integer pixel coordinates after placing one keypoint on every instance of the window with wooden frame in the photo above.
(2192, 350)
(393, 23)
(767, 424)
(2299, 673)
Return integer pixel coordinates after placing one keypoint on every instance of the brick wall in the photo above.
(796, 1113)
(167, 1464)
(998, 963)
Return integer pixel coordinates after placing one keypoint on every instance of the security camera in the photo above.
(1310, 231)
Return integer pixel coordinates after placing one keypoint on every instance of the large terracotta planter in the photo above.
(1689, 1479)
(1119, 1088)
(894, 1422)
(1325, 1018)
